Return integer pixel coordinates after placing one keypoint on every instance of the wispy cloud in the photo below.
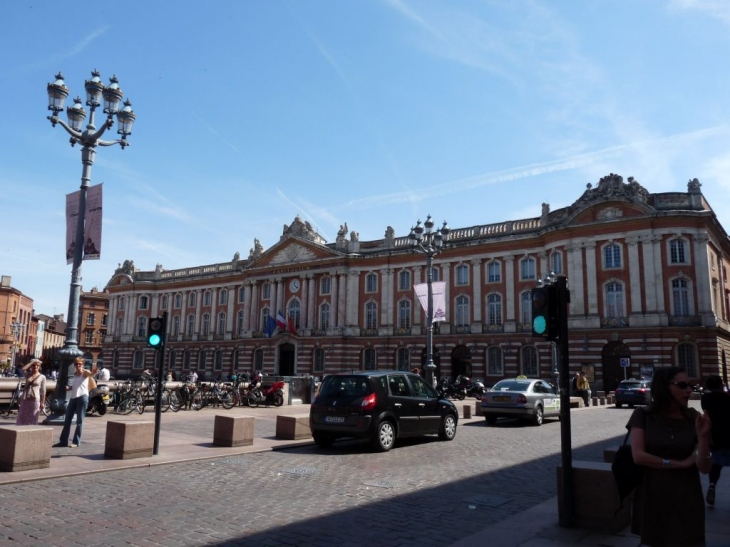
(211, 129)
(75, 49)
(718, 9)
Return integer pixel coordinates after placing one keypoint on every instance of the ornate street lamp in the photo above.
(430, 243)
(89, 138)
(16, 329)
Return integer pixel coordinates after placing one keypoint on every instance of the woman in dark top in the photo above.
(672, 442)
(716, 402)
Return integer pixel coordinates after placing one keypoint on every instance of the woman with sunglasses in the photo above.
(672, 442)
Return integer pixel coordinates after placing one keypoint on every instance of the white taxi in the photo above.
(527, 398)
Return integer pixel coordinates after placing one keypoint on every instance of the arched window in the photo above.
(143, 302)
(115, 359)
(188, 360)
(325, 285)
(258, 359)
(368, 359)
(220, 331)
(237, 359)
(138, 359)
(494, 361)
(207, 298)
(435, 276)
(680, 298)
(202, 359)
(205, 326)
(612, 256)
(615, 300)
(239, 322)
(404, 314)
(526, 308)
(403, 358)
(178, 301)
(172, 360)
(318, 359)
(223, 297)
(494, 272)
(687, 359)
(141, 326)
(371, 282)
(371, 315)
(677, 251)
(556, 262)
(191, 325)
(462, 311)
(462, 274)
(494, 309)
(295, 313)
(165, 299)
(241, 295)
(120, 326)
(404, 280)
(218, 360)
(528, 358)
(324, 316)
(192, 299)
(266, 291)
(527, 268)
(176, 326)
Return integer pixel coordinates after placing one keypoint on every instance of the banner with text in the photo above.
(439, 298)
(92, 223)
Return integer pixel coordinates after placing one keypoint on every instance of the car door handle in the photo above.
(398, 405)
(421, 404)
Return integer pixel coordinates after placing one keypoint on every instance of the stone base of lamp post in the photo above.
(66, 357)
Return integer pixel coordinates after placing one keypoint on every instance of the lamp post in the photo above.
(16, 329)
(430, 243)
(89, 138)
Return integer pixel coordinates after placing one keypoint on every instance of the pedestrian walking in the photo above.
(716, 402)
(33, 395)
(672, 443)
(82, 382)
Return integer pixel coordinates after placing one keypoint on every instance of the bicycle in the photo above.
(182, 397)
(15, 398)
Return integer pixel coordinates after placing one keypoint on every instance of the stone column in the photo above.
(254, 313)
(575, 279)
(634, 277)
(418, 312)
(334, 289)
(509, 289)
(703, 288)
(591, 277)
(342, 303)
(386, 298)
(476, 279)
(352, 300)
(311, 284)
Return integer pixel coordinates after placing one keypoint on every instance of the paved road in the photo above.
(424, 492)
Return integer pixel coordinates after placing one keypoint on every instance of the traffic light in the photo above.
(156, 332)
(540, 297)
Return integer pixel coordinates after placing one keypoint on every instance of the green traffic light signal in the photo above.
(540, 305)
(539, 325)
(156, 332)
(154, 340)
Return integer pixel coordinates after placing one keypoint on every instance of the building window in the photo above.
(205, 326)
(172, 360)
(435, 274)
(218, 363)
(192, 299)
(527, 268)
(115, 359)
(403, 358)
(143, 302)
(371, 315)
(556, 262)
(89, 337)
(237, 359)
(404, 314)
(612, 256)
(462, 311)
(494, 361)
(318, 359)
(494, 309)
(368, 359)
(220, 331)
(104, 320)
(207, 298)
(241, 295)
(202, 359)
(122, 302)
(191, 325)
(615, 300)
(677, 253)
(138, 359)
(404, 280)
(494, 272)
(294, 315)
(239, 322)
(528, 356)
(526, 308)
(265, 319)
(680, 298)
(188, 361)
(371, 282)
(120, 326)
(324, 316)
(462, 274)
(90, 319)
(163, 304)
(178, 301)
(325, 285)
(223, 297)
(176, 326)
(687, 359)
(258, 359)
(266, 291)
(141, 326)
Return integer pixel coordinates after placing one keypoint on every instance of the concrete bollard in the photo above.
(467, 412)
(24, 447)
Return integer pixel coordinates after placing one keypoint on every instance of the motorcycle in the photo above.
(472, 388)
(447, 388)
(99, 400)
(273, 395)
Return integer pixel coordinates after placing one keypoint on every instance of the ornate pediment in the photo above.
(303, 230)
(613, 187)
(292, 253)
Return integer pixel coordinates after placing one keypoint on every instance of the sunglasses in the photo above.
(682, 385)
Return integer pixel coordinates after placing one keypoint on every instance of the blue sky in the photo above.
(374, 113)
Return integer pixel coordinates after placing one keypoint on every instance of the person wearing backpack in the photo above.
(672, 443)
(716, 402)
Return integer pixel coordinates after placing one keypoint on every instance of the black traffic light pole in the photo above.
(156, 334)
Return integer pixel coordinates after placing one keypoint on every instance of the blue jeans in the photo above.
(76, 406)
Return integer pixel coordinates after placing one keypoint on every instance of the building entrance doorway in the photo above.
(613, 372)
(461, 362)
(286, 360)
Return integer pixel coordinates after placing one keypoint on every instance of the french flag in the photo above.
(281, 321)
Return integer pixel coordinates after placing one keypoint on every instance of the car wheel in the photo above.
(537, 419)
(491, 420)
(448, 428)
(322, 440)
(384, 438)
(619, 405)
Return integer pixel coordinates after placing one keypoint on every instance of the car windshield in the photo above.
(512, 385)
(345, 386)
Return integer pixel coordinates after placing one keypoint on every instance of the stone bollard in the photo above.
(467, 412)
(478, 409)
(233, 430)
(594, 401)
(128, 440)
(24, 447)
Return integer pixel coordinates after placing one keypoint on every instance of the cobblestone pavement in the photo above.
(423, 492)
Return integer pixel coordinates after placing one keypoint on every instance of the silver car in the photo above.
(527, 398)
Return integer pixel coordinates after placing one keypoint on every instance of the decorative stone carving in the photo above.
(693, 186)
(302, 229)
(257, 250)
(293, 253)
(612, 186)
(609, 213)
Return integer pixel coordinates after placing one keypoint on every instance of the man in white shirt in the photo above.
(103, 374)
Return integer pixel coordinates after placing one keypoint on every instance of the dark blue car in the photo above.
(633, 392)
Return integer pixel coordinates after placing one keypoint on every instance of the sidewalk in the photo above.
(188, 436)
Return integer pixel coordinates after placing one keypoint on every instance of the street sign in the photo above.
(625, 362)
